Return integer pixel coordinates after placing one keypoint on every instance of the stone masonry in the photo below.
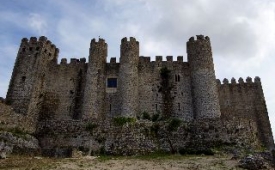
(47, 93)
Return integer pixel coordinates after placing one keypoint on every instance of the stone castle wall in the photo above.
(145, 137)
(245, 101)
(76, 92)
(63, 93)
(65, 85)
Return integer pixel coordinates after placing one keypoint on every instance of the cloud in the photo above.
(38, 24)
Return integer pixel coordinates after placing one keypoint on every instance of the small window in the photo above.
(177, 78)
(112, 82)
(179, 106)
(23, 79)
(30, 48)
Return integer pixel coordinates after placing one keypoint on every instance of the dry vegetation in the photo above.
(158, 162)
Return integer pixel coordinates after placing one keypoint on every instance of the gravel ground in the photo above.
(172, 162)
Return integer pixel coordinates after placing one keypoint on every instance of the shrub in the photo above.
(155, 117)
(90, 127)
(120, 121)
(174, 124)
(17, 131)
(155, 128)
(146, 115)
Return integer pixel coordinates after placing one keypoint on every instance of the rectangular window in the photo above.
(112, 82)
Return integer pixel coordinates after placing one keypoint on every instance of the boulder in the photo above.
(252, 162)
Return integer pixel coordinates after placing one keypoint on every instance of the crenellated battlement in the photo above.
(73, 61)
(200, 44)
(200, 38)
(42, 45)
(98, 43)
(131, 40)
(241, 81)
(143, 59)
(158, 58)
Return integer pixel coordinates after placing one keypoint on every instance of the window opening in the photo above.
(177, 78)
(23, 79)
(112, 82)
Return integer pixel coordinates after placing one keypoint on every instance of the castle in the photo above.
(44, 91)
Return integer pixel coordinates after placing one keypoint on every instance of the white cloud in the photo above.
(37, 23)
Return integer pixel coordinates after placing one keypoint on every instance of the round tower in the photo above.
(128, 77)
(203, 79)
(27, 79)
(94, 95)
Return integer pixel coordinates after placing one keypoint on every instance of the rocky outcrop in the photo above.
(256, 161)
(18, 143)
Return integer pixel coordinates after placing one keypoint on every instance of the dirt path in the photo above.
(174, 162)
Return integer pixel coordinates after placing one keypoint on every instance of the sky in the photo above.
(242, 32)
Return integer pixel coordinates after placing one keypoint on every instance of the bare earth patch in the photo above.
(171, 162)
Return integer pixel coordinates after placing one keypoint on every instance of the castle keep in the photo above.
(46, 92)
(127, 88)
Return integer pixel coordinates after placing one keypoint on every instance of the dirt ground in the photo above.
(172, 162)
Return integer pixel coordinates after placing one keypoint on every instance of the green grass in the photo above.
(120, 121)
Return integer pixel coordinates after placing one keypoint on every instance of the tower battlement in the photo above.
(100, 42)
(202, 43)
(36, 47)
(241, 81)
(130, 40)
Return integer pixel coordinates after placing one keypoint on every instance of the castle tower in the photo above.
(128, 77)
(28, 75)
(94, 95)
(203, 80)
(262, 118)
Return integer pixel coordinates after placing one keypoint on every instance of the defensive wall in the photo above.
(73, 94)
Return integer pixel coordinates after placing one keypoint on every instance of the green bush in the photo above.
(146, 115)
(155, 117)
(17, 131)
(90, 127)
(155, 128)
(120, 121)
(174, 124)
